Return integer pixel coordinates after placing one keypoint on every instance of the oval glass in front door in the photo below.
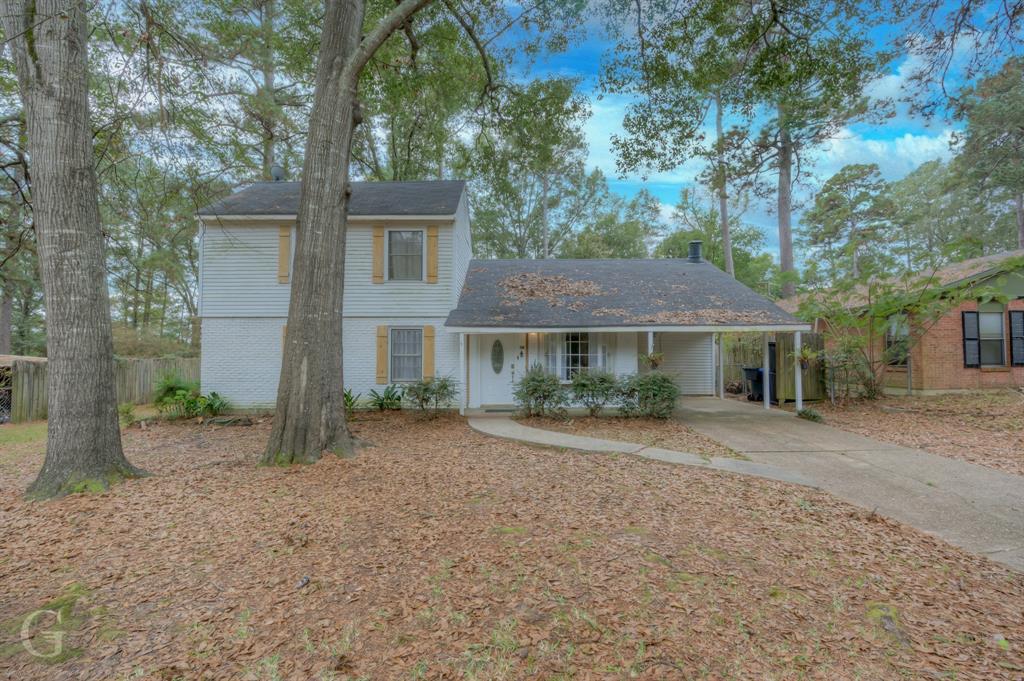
(497, 356)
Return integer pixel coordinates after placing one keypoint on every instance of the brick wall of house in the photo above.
(941, 363)
(937, 360)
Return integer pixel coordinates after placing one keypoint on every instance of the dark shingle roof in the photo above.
(596, 293)
(440, 197)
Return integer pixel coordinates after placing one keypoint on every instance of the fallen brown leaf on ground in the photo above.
(441, 553)
(986, 428)
(664, 433)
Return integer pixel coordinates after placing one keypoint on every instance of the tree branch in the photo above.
(372, 42)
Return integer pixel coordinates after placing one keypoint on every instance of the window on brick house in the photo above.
(897, 339)
(984, 334)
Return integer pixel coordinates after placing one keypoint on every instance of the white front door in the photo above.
(500, 363)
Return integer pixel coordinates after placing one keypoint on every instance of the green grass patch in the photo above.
(46, 629)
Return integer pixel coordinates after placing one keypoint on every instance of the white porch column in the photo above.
(721, 367)
(765, 371)
(464, 370)
(797, 342)
(650, 342)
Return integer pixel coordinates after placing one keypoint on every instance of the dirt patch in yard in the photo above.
(986, 428)
(441, 553)
(663, 433)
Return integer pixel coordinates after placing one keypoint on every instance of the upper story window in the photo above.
(405, 254)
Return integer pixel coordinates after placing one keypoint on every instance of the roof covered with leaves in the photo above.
(602, 293)
(439, 197)
(965, 272)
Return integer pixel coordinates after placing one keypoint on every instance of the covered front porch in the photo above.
(493, 361)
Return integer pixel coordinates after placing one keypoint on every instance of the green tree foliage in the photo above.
(693, 220)
(992, 145)
(844, 232)
(617, 228)
(537, 145)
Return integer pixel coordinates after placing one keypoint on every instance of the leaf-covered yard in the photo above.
(986, 428)
(664, 433)
(440, 553)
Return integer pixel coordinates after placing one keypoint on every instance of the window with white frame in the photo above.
(991, 334)
(567, 354)
(406, 355)
(405, 254)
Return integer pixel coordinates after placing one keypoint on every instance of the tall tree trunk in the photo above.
(723, 190)
(785, 207)
(83, 450)
(6, 315)
(1020, 220)
(310, 414)
(544, 216)
(269, 94)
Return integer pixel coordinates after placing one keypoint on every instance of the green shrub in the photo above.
(169, 385)
(652, 394)
(594, 389)
(190, 404)
(387, 400)
(430, 395)
(351, 401)
(126, 414)
(810, 415)
(540, 393)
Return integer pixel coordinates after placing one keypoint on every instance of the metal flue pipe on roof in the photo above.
(696, 251)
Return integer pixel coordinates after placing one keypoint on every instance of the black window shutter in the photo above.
(972, 341)
(1017, 337)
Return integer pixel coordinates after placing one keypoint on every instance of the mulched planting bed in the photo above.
(986, 428)
(441, 553)
(663, 433)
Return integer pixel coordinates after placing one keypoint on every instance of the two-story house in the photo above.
(417, 306)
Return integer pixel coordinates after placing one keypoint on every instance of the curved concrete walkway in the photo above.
(976, 508)
(500, 425)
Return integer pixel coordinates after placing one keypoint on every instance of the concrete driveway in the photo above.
(976, 508)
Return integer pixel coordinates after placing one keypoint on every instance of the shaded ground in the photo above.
(986, 428)
(444, 553)
(664, 433)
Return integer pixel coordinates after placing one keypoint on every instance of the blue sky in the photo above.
(898, 146)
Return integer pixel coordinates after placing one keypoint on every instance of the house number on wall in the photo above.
(497, 356)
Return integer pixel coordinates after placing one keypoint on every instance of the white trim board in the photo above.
(628, 329)
(214, 219)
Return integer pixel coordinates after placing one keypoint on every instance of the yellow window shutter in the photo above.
(432, 254)
(382, 355)
(378, 255)
(428, 352)
(284, 253)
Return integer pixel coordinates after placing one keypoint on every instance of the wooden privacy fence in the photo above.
(135, 380)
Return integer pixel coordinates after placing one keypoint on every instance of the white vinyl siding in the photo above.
(247, 372)
(689, 360)
(239, 276)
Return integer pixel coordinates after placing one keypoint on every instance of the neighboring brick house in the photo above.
(976, 345)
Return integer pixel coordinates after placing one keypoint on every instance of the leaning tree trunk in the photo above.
(785, 208)
(83, 451)
(723, 191)
(310, 415)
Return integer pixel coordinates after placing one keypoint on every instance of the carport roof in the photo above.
(663, 293)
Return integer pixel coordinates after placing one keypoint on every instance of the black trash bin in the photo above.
(755, 383)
